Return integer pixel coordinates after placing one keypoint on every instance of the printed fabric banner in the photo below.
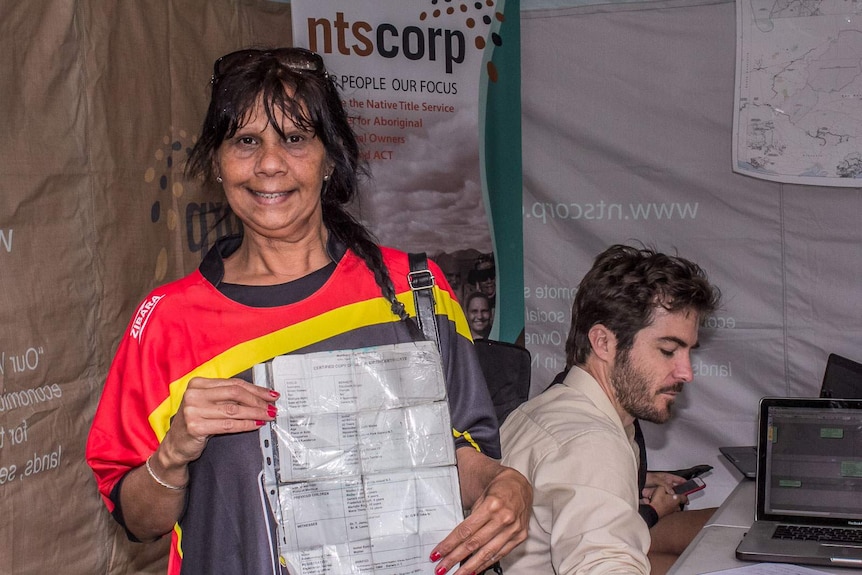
(414, 76)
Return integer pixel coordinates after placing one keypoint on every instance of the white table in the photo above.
(713, 549)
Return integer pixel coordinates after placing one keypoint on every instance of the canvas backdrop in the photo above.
(102, 101)
(627, 123)
(627, 112)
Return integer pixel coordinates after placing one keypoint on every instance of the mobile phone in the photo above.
(690, 486)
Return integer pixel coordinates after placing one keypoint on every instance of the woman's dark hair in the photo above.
(623, 289)
(293, 82)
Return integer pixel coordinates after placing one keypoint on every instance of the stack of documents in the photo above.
(359, 465)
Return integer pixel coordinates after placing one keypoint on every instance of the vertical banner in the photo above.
(414, 78)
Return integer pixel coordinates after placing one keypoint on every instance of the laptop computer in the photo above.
(809, 478)
(842, 378)
(743, 457)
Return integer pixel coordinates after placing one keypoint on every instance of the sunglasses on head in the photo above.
(295, 59)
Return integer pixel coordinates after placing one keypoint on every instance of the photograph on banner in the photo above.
(411, 76)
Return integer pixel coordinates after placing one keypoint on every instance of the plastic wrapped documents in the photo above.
(359, 465)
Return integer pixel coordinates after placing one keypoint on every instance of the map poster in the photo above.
(798, 97)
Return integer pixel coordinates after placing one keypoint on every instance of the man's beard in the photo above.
(633, 391)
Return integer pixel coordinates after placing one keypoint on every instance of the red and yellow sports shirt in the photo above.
(191, 328)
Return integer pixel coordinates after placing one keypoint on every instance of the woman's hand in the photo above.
(209, 407)
(215, 407)
(500, 499)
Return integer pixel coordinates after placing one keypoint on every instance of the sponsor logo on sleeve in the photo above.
(143, 316)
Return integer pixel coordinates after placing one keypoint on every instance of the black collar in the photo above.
(212, 266)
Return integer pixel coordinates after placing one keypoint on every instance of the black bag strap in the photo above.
(422, 283)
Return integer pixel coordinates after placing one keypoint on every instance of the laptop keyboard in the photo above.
(813, 533)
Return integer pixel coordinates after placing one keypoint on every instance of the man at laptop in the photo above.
(634, 323)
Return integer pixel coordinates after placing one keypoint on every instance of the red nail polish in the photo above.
(441, 571)
(435, 556)
(271, 410)
(274, 393)
(258, 422)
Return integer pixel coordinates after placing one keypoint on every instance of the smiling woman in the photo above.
(174, 444)
(272, 178)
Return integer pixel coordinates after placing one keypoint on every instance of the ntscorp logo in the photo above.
(414, 43)
(143, 316)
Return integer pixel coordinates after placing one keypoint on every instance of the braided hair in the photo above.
(293, 82)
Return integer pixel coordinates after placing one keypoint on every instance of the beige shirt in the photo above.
(571, 445)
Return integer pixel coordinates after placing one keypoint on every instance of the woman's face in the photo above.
(479, 317)
(273, 185)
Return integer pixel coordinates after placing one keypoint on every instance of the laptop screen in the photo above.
(810, 457)
(842, 378)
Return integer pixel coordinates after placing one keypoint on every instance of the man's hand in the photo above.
(658, 493)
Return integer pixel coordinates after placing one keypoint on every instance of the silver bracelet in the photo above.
(158, 480)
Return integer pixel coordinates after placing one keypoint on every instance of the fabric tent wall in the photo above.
(100, 100)
(625, 104)
(627, 120)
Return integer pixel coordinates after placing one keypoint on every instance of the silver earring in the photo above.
(218, 179)
(326, 178)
